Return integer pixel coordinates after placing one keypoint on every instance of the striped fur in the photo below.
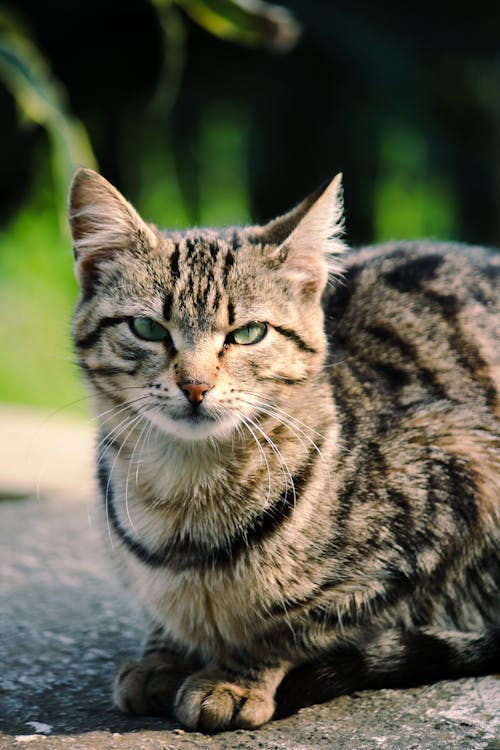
(310, 514)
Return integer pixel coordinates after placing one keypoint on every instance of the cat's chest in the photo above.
(167, 477)
(178, 520)
(209, 610)
(186, 506)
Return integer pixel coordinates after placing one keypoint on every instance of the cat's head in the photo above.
(204, 331)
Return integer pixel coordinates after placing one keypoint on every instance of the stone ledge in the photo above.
(66, 625)
(45, 453)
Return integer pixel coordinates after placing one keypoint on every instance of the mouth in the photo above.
(190, 423)
(194, 414)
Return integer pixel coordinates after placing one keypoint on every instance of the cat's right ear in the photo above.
(309, 253)
(102, 223)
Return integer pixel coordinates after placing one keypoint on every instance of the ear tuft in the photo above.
(102, 223)
(310, 251)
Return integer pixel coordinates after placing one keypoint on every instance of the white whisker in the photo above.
(278, 414)
(146, 425)
(263, 454)
(131, 425)
(288, 416)
(284, 466)
(145, 444)
(110, 437)
(118, 407)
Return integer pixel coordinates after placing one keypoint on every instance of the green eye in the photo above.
(251, 333)
(148, 329)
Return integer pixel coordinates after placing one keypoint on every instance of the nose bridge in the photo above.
(197, 365)
(195, 373)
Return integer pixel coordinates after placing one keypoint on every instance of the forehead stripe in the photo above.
(174, 263)
(214, 250)
(228, 264)
(167, 306)
(235, 240)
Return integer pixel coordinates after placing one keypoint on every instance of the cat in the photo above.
(299, 455)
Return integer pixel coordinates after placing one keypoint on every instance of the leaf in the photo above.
(252, 23)
(41, 98)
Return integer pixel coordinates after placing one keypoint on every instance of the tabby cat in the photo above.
(299, 455)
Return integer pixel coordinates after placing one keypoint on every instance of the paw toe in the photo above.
(220, 707)
(146, 688)
(213, 705)
(255, 711)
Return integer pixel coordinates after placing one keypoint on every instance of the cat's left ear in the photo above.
(308, 255)
(102, 224)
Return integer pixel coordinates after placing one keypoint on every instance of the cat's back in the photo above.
(414, 362)
(445, 277)
(416, 321)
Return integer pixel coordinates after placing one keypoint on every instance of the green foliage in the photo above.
(41, 99)
(411, 198)
(37, 291)
(224, 181)
(252, 23)
(412, 195)
(223, 175)
(37, 287)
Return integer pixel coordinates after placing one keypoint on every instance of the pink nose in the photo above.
(194, 391)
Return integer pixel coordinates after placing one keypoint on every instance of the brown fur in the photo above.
(316, 510)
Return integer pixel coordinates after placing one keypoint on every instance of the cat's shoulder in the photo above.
(414, 268)
(421, 257)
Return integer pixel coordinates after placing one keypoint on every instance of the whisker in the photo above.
(284, 466)
(296, 431)
(145, 444)
(289, 416)
(118, 407)
(132, 424)
(110, 438)
(146, 425)
(263, 454)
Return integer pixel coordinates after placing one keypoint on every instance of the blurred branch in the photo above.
(173, 27)
(41, 98)
(252, 23)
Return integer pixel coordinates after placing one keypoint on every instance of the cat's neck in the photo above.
(206, 490)
(178, 467)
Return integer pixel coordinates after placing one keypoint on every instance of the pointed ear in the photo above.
(102, 223)
(307, 255)
(277, 230)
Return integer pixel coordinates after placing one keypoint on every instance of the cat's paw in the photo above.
(213, 702)
(147, 687)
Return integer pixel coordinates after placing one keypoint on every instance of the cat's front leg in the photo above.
(149, 686)
(219, 699)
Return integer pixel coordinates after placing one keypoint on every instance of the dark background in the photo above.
(427, 75)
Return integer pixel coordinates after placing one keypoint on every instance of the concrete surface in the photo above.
(66, 625)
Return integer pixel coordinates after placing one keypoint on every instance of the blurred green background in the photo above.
(229, 111)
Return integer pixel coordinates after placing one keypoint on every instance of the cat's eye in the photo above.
(148, 329)
(251, 333)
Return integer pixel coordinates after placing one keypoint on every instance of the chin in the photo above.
(194, 429)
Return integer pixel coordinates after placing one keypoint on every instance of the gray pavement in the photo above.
(65, 625)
